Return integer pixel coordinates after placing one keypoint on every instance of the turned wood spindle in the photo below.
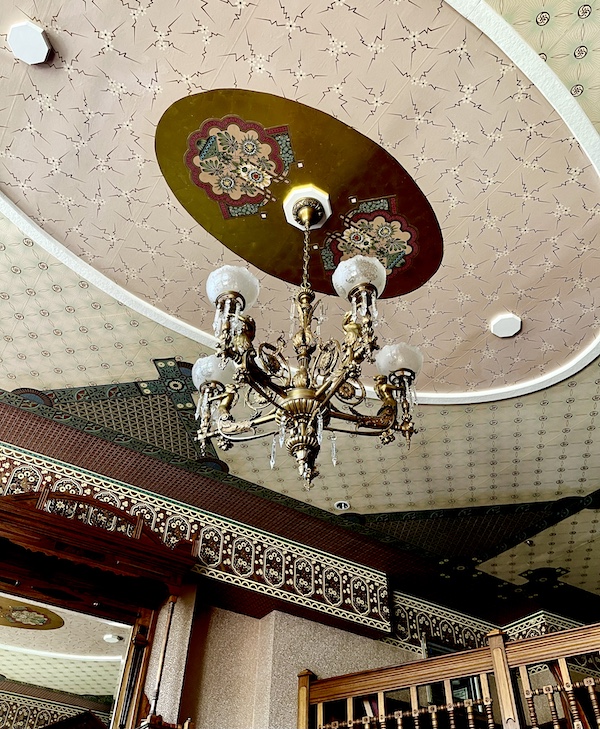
(590, 684)
(549, 691)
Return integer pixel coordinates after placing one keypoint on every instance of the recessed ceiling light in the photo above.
(506, 325)
(342, 505)
(112, 638)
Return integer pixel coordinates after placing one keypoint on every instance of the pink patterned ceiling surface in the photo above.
(516, 198)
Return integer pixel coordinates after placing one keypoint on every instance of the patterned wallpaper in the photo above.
(74, 675)
(566, 34)
(58, 330)
(515, 196)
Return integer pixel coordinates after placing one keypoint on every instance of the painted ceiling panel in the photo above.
(514, 194)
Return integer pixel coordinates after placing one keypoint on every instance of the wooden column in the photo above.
(506, 696)
(128, 704)
(304, 679)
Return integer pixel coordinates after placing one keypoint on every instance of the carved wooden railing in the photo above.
(551, 681)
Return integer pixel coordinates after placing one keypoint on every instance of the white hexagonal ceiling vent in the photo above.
(506, 325)
(29, 43)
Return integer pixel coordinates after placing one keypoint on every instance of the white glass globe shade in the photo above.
(208, 369)
(233, 278)
(356, 271)
(400, 356)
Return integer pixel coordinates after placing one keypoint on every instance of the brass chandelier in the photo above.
(323, 390)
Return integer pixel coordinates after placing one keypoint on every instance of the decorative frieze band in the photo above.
(418, 623)
(416, 620)
(538, 623)
(227, 550)
(24, 712)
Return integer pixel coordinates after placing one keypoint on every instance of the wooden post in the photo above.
(449, 703)
(506, 696)
(526, 685)
(304, 679)
(129, 699)
(568, 685)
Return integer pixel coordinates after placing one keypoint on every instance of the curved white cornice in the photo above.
(484, 17)
(32, 230)
(29, 228)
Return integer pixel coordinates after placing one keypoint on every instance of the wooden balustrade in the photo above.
(551, 681)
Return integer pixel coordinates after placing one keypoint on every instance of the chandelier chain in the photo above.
(306, 257)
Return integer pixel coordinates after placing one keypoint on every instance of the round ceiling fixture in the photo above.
(310, 200)
(29, 43)
(342, 505)
(506, 325)
(112, 638)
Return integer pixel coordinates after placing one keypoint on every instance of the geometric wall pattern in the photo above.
(25, 712)
(151, 419)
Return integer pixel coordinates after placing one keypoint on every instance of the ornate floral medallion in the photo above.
(372, 228)
(231, 155)
(236, 162)
(18, 615)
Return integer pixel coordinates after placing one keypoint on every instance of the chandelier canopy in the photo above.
(322, 390)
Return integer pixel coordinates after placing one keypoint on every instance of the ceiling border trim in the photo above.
(31, 229)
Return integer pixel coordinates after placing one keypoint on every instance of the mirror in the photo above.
(56, 663)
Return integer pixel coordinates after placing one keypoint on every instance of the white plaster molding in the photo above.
(484, 17)
(32, 230)
(550, 86)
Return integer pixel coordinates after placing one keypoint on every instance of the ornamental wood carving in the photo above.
(87, 531)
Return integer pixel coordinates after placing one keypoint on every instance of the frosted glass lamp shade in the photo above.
(394, 357)
(356, 271)
(208, 369)
(232, 278)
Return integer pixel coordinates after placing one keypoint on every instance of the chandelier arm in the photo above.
(268, 397)
(258, 378)
(324, 393)
(367, 421)
(245, 438)
(251, 423)
(379, 431)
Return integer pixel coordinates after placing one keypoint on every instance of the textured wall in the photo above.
(174, 671)
(221, 679)
(242, 672)
(326, 651)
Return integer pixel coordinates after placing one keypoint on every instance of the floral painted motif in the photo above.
(379, 237)
(236, 162)
(372, 228)
(25, 616)
(242, 557)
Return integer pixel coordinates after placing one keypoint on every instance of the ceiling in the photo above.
(72, 658)
(104, 269)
